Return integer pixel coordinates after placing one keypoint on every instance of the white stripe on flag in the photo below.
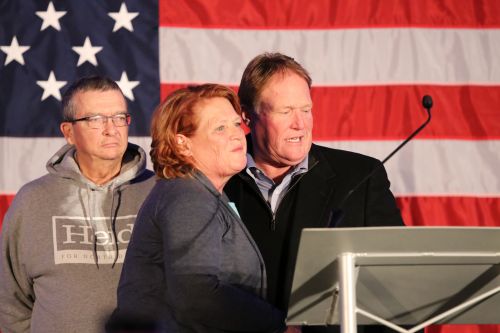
(423, 167)
(436, 167)
(23, 159)
(336, 57)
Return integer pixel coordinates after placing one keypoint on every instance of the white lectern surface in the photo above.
(404, 275)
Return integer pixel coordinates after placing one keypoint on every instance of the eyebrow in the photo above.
(222, 121)
(99, 114)
(298, 107)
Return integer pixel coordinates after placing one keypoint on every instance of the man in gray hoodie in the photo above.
(65, 235)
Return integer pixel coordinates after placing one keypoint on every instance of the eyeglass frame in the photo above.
(128, 119)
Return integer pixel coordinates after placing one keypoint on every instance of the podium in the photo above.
(395, 276)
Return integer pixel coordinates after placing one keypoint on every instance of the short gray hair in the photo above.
(89, 83)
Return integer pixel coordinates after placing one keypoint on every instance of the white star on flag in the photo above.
(14, 51)
(50, 17)
(51, 87)
(87, 52)
(126, 86)
(123, 18)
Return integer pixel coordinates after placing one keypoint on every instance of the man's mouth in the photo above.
(295, 139)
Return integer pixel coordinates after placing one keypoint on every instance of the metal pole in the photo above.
(347, 293)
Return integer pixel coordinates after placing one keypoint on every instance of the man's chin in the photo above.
(294, 157)
(289, 161)
(112, 156)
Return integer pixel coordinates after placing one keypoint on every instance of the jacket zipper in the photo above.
(273, 221)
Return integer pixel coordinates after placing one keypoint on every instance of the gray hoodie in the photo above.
(60, 263)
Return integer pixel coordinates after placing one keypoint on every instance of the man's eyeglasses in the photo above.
(97, 122)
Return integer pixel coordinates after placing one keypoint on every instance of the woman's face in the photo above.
(218, 147)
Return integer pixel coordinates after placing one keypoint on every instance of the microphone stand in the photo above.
(337, 215)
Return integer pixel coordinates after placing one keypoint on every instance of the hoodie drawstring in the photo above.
(112, 216)
(114, 213)
(91, 220)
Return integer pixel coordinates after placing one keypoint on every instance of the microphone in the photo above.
(337, 214)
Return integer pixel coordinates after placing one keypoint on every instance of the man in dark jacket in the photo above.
(289, 183)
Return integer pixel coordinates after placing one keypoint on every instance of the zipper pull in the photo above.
(273, 221)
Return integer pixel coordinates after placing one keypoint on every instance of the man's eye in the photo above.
(120, 117)
(94, 119)
(307, 110)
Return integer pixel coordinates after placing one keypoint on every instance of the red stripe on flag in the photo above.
(450, 211)
(417, 211)
(324, 14)
(463, 329)
(5, 201)
(392, 112)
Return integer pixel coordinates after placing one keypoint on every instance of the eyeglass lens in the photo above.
(119, 120)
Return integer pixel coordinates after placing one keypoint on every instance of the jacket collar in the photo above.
(316, 159)
(317, 188)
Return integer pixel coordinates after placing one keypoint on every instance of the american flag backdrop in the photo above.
(371, 62)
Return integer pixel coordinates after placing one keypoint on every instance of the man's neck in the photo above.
(99, 172)
(276, 173)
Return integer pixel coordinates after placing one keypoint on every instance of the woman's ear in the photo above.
(184, 144)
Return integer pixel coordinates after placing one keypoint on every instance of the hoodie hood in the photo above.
(64, 165)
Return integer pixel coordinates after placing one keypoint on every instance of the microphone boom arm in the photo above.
(427, 103)
(411, 136)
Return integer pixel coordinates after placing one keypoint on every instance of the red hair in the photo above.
(176, 115)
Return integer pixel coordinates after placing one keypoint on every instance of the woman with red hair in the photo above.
(191, 263)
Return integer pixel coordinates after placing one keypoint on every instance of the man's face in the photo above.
(282, 124)
(107, 143)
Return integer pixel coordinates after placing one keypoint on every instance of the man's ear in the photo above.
(245, 115)
(184, 143)
(67, 131)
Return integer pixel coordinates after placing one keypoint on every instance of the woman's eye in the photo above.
(237, 124)
(220, 128)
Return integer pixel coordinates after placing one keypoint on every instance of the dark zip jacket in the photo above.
(311, 201)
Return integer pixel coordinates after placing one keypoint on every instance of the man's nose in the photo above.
(298, 121)
(109, 126)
